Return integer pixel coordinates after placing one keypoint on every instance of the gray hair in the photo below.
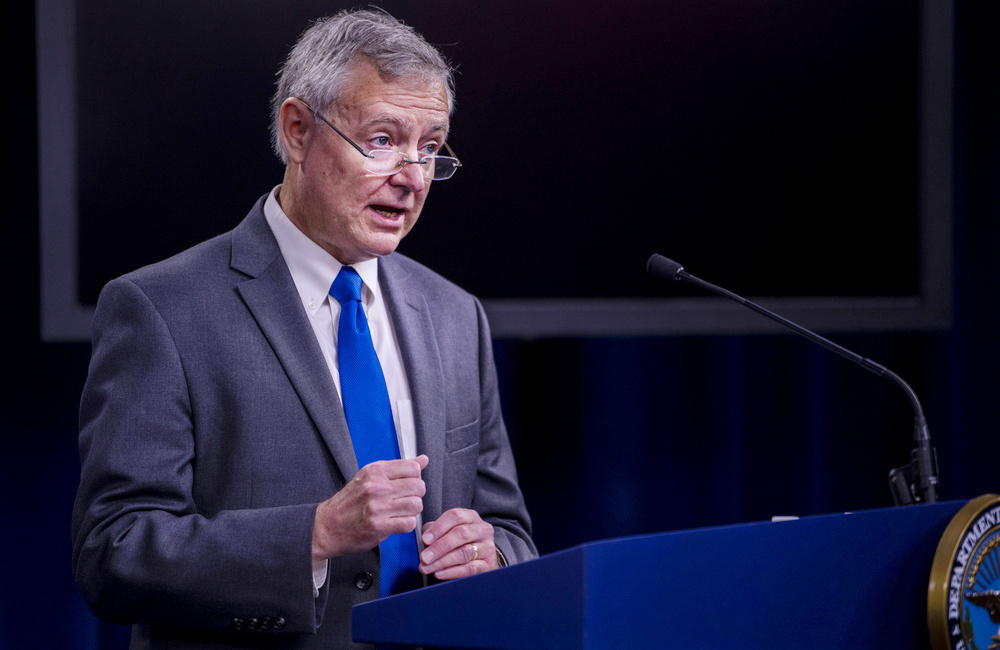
(320, 63)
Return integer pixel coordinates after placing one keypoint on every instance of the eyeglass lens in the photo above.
(387, 162)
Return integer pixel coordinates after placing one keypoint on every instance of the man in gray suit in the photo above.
(221, 500)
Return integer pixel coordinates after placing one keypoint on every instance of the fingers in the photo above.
(458, 544)
(467, 560)
(400, 468)
(432, 530)
(375, 487)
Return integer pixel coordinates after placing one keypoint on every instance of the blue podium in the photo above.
(855, 580)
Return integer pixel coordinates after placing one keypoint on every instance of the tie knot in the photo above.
(346, 286)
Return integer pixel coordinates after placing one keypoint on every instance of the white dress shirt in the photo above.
(313, 271)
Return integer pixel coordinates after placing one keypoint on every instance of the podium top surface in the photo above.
(853, 580)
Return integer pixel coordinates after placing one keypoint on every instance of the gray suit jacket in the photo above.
(210, 429)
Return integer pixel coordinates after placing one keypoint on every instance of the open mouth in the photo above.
(387, 212)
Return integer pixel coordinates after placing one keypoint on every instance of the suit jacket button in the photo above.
(238, 623)
(253, 624)
(265, 623)
(364, 581)
(278, 623)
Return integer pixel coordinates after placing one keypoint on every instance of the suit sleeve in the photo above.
(142, 551)
(497, 496)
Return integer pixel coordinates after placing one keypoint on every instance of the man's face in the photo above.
(352, 214)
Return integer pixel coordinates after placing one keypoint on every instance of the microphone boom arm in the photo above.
(913, 483)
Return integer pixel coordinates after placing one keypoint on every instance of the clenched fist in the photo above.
(383, 498)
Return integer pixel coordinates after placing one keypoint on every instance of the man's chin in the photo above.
(382, 246)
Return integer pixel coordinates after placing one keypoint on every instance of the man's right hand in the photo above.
(383, 498)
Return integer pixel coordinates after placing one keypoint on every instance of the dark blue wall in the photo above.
(613, 436)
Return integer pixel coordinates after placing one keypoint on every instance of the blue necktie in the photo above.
(369, 420)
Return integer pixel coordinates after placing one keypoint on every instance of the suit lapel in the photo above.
(271, 297)
(414, 328)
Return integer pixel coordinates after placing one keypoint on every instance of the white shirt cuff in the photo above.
(319, 576)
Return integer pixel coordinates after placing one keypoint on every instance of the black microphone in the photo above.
(913, 483)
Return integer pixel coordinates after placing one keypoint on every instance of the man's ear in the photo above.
(295, 123)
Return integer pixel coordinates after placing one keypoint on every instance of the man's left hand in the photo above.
(458, 544)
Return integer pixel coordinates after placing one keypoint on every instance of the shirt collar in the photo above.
(313, 269)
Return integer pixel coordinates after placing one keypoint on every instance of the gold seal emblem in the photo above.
(963, 594)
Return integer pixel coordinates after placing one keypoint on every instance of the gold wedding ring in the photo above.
(475, 553)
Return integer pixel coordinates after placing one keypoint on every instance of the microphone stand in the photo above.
(913, 483)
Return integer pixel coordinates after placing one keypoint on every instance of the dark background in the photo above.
(612, 436)
(744, 137)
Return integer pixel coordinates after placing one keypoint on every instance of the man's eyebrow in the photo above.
(388, 118)
(403, 123)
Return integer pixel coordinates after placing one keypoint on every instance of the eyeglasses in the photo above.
(386, 162)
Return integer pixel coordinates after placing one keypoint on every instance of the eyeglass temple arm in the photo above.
(327, 122)
(452, 153)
